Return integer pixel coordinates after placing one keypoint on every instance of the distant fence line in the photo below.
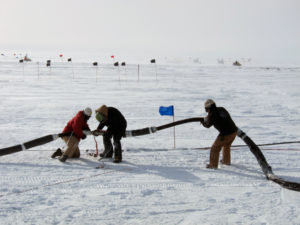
(40, 67)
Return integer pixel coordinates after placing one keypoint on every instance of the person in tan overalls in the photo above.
(74, 132)
(221, 120)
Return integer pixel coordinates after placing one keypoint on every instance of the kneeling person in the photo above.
(116, 127)
(74, 132)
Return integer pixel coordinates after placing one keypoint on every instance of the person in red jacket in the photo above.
(74, 132)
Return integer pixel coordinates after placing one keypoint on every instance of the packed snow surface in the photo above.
(155, 183)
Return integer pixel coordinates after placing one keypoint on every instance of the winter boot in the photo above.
(117, 158)
(63, 158)
(222, 162)
(58, 152)
(209, 167)
(106, 154)
(118, 152)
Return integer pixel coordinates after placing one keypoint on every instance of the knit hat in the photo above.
(87, 111)
(209, 103)
(103, 110)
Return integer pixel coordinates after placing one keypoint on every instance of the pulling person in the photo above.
(74, 132)
(116, 127)
(221, 120)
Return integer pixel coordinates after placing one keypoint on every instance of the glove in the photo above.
(201, 121)
(97, 132)
(83, 137)
(87, 132)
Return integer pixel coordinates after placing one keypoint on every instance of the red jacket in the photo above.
(76, 125)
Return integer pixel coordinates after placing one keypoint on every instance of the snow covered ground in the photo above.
(155, 184)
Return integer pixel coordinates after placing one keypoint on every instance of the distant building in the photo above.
(236, 63)
(26, 58)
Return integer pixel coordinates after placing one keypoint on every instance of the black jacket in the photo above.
(221, 120)
(116, 123)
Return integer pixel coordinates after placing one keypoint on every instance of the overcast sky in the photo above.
(242, 28)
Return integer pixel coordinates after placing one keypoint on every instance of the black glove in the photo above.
(83, 137)
(202, 120)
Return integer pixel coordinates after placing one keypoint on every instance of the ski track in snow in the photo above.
(155, 184)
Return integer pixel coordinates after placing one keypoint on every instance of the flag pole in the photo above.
(38, 69)
(168, 111)
(156, 71)
(138, 72)
(174, 128)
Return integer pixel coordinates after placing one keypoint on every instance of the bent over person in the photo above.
(221, 120)
(116, 127)
(74, 132)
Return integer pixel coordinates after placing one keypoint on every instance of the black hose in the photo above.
(33, 143)
(266, 168)
(195, 119)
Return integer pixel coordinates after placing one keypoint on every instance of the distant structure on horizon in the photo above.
(27, 59)
(236, 63)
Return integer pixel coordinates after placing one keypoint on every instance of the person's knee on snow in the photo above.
(73, 132)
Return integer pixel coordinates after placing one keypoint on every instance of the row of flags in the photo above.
(95, 63)
(48, 62)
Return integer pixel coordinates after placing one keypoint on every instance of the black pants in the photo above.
(116, 136)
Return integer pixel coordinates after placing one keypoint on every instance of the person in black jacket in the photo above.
(221, 120)
(116, 127)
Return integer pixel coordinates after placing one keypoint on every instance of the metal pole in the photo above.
(96, 74)
(138, 72)
(174, 131)
(73, 70)
(23, 70)
(156, 71)
(38, 69)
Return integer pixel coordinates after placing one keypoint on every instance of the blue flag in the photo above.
(166, 111)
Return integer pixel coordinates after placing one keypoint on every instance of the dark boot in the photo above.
(106, 154)
(222, 162)
(63, 158)
(209, 167)
(118, 151)
(118, 158)
(58, 152)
